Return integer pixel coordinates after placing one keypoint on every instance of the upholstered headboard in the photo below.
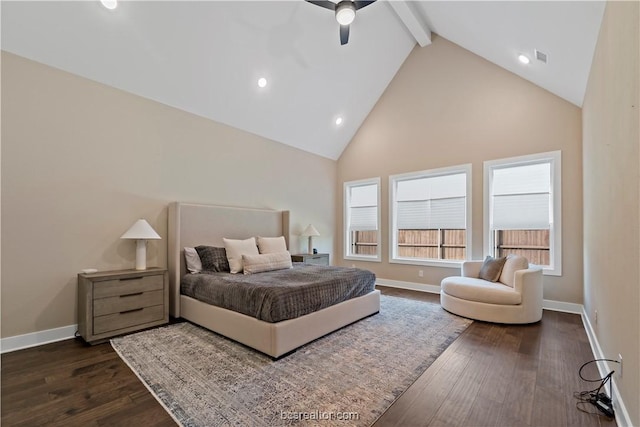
(191, 225)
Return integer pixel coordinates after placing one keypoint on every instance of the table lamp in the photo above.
(310, 231)
(141, 231)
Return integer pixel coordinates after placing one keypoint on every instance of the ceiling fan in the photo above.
(345, 13)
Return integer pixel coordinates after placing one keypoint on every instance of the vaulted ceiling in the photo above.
(206, 57)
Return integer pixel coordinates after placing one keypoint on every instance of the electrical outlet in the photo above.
(620, 367)
(595, 317)
(420, 273)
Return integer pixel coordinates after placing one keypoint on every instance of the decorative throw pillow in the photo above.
(192, 260)
(237, 248)
(272, 245)
(492, 268)
(266, 262)
(512, 264)
(213, 258)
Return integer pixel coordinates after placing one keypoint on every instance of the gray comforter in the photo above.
(279, 295)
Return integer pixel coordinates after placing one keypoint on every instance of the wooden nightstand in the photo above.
(111, 303)
(317, 259)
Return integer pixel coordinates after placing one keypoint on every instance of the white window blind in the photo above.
(521, 197)
(437, 202)
(363, 208)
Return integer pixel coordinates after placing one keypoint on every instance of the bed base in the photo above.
(278, 339)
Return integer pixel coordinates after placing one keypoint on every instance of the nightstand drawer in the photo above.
(127, 302)
(125, 319)
(316, 259)
(129, 285)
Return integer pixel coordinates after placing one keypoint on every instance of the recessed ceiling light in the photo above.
(109, 4)
(523, 58)
(262, 82)
(339, 121)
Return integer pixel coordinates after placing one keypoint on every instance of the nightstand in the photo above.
(111, 303)
(317, 259)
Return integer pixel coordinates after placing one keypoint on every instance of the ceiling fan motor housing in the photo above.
(345, 12)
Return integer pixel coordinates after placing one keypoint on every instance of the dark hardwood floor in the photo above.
(499, 375)
(492, 375)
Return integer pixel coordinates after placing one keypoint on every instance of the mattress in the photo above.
(274, 296)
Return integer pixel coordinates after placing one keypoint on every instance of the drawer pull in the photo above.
(131, 311)
(131, 295)
(131, 278)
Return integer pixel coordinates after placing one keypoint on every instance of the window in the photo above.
(362, 219)
(523, 209)
(431, 216)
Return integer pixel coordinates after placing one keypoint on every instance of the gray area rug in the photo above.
(349, 377)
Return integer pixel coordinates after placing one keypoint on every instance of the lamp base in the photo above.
(310, 245)
(141, 254)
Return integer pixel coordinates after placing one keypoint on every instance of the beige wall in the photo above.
(445, 107)
(82, 161)
(611, 195)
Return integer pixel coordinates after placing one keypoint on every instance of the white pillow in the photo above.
(236, 248)
(272, 245)
(192, 259)
(266, 262)
(513, 264)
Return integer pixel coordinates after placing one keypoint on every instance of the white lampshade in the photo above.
(310, 231)
(141, 231)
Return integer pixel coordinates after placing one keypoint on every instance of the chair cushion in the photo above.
(479, 290)
(511, 265)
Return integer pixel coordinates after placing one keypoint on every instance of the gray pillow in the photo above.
(491, 268)
(213, 258)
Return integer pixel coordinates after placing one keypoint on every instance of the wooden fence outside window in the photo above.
(451, 244)
(531, 244)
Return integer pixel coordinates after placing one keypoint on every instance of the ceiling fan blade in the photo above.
(344, 34)
(324, 3)
(361, 4)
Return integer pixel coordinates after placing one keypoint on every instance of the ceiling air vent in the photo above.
(541, 56)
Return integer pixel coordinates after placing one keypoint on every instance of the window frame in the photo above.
(554, 158)
(393, 232)
(345, 229)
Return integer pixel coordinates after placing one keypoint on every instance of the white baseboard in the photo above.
(565, 307)
(422, 287)
(34, 339)
(623, 419)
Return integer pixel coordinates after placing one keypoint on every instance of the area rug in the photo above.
(349, 377)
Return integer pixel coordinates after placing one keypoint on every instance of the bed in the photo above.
(191, 225)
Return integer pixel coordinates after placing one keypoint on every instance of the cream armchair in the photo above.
(515, 298)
